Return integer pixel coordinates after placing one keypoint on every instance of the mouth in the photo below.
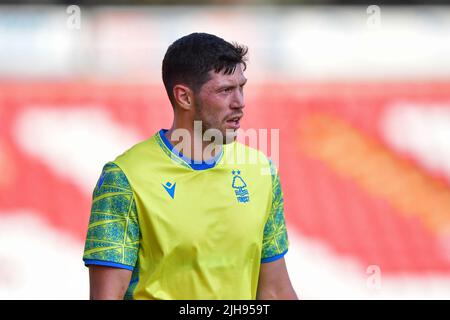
(234, 122)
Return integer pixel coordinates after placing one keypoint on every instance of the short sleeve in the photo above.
(113, 233)
(275, 240)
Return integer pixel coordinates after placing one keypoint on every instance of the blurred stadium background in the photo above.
(363, 108)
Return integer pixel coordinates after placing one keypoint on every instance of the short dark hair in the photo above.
(189, 59)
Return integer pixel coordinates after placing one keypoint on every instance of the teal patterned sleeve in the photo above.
(275, 241)
(113, 233)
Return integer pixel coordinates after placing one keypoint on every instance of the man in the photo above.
(172, 221)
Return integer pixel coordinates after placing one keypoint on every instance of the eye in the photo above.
(229, 89)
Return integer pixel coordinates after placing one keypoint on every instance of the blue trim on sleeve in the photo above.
(274, 258)
(107, 264)
(196, 165)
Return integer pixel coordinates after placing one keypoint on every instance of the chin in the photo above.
(230, 137)
(226, 135)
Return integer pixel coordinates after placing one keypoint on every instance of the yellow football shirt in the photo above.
(187, 230)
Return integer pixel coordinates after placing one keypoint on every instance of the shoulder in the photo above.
(112, 193)
(256, 158)
(112, 180)
(251, 154)
(140, 157)
(145, 146)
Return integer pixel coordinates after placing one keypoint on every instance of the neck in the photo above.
(188, 139)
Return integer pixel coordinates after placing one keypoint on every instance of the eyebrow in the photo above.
(229, 85)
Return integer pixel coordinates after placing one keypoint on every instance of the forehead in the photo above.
(219, 78)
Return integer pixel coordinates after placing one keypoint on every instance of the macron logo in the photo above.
(170, 188)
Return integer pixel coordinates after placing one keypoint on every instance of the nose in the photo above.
(238, 101)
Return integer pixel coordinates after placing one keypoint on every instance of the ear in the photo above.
(183, 96)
